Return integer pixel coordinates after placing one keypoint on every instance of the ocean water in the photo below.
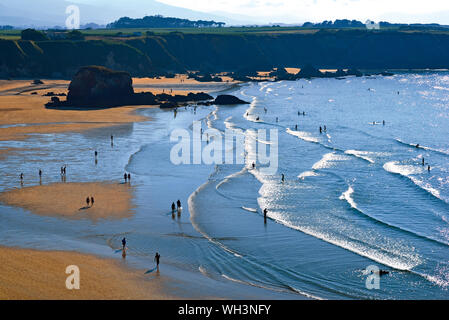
(354, 196)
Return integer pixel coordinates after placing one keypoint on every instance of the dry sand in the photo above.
(68, 200)
(32, 274)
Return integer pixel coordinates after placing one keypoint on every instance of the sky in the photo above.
(291, 11)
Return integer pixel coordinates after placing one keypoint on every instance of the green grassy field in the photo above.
(126, 33)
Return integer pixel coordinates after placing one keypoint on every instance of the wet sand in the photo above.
(31, 274)
(68, 200)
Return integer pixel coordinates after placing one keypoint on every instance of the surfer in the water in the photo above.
(157, 258)
(417, 145)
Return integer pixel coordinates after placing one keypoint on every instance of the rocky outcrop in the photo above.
(94, 84)
(228, 99)
(99, 87)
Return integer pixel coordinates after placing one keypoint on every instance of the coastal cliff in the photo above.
(179, 52)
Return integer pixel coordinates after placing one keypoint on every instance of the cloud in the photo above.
(318, 10)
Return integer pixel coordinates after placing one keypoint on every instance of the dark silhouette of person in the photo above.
(178, 204)
(321, 129)
(257, 118)
(125, 176)
(157, 258)
(283, 178)
(299, 113)
(87, 201)
(265, 211)
(21, 176)
(254, 165)
(92, 201)
(324, 128)
(40, 173)
(423, 161)
(383, 122)
(173, 207)
(123, 243)
(62, 171)
(296, 127)
(129, 177)
(417, 145)
(96, 153)
(428, 168)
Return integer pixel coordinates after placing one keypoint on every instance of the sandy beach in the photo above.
(31, 274)
(23, 114)
(68, 200)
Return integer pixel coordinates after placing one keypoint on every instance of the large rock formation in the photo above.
(98, 84)
(99, 87)
(228, 99)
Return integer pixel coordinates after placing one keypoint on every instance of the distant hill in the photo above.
(159, 21)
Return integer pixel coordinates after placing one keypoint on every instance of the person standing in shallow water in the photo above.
(428, 168)
(129, 177)
(173, 207)
(265, 211)
(157, 257)
(123, 243)
(283, 178)
(125, 177)
(178, 204)
(87, 201)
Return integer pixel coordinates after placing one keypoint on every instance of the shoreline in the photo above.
(21, 122)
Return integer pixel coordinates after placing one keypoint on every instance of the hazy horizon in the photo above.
(233, 12)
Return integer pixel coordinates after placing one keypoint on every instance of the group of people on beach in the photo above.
(176, 207)
(127, 177)
(90, 201)
(157, 257)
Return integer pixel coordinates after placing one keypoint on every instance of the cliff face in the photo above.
(178, 52)
(94, 83)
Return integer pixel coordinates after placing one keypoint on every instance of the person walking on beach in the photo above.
(92, 201)
(157, 257)
(21, 176)
(88, 201)
(178, 204)
(40, 174)
(123, 243)
(125, 176)
(64, 170)
(173, 207)
(129, 177)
